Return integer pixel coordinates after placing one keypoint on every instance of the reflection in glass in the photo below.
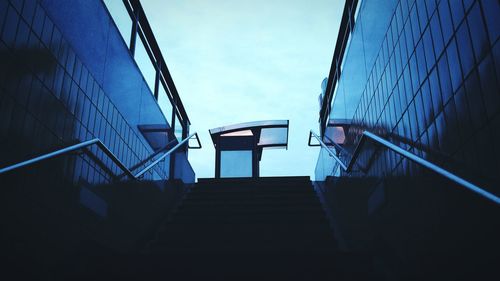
(273, 136)
(236, 163)
(144, 62)
(178, 128)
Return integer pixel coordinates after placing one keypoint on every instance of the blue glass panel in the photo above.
(431, 6)
(462, 109)
(415, 26)
(414, 73)
(10, 27)
(457, 11)
(421, 112)
(403, 48)
(437, 102)
(496, 58)
(165, 105)
(121, 18)
(468, 3)
(404, 8)
(145, 65)
(491, 11)
(429, 49)
(408, 92)
(237, 163)
(452, 128)
(269, 136)
(478, 32)
(421, 60)
(4, 5)
(409, 38)
(465, 50)
(178, 129)
(399, 18)
(422, 13)
(489, 86)
(454, 69)
(29, 10)
(23, 33)
(437, 36)
(477, 109)
(427, 101)
(446, 23)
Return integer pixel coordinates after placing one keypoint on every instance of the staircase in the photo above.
(253, 229)
(242, 229)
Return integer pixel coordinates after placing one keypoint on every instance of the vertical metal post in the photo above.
(172, 156)
(157, 80)
(133, 34)
(255, 154)
(217, 158)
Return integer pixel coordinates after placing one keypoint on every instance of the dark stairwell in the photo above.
(233, 229)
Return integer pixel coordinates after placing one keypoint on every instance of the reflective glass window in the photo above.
(457, 11)
(422, 13)
(491, 11)
(478, 32)
(465, 50)
(273, 136)
(454, 69)
(415, 26)
(435, 91)
(445, 17)
(236, 163)
(429, 49)
(437, 36)
(431, 6)
(420, 57)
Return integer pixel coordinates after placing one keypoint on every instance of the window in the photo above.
(236, 163)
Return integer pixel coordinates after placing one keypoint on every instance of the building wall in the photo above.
(433, 88)
(66, 76)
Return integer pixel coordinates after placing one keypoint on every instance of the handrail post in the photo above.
(133, 34)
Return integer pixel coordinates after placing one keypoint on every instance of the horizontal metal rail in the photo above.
(68, 149)
(138, 175)
(431, 166)
(105, 149)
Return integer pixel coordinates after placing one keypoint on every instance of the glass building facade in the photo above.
(425, 75)
(61, 83)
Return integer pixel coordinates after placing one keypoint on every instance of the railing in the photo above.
(431, 166)
(168, 153)
(106, 150)
(162, 80)
(346, 26)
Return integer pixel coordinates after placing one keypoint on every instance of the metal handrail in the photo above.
(431, 166)
(138, 175)
(106, 150)
(68, 149)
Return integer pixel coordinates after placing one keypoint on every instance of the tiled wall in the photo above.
(435, 89)
(49, 99)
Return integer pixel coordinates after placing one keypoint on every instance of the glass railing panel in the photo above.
(121, 18)
(326, 166)
(144, 62)
(165, 105)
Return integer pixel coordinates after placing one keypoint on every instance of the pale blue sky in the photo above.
(240, 61)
